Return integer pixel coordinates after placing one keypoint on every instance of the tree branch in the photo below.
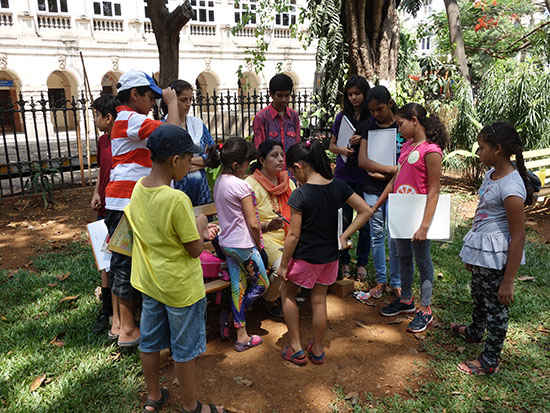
(528, 34)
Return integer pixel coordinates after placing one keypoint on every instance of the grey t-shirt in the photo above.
(486, 245)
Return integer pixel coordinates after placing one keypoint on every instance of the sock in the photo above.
(107, 304)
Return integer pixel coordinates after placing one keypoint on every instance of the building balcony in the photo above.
(202, 29)
(54, 21)
(108, 25)
(6, 18)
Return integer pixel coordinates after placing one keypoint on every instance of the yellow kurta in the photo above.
(273, 240)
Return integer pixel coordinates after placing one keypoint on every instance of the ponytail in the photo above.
(232, 150)
(436, 132)
(505, 135)
(312, 153)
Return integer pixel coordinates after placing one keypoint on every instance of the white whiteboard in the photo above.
(405, 213)
(382, 146)
(97, 232)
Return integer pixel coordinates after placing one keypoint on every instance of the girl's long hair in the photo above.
(232, 150)
(436, 132)
(312, 153)
(382, 95)
(363, 85)
(505, 135)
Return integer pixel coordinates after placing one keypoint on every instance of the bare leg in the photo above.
(128, 329)
(187, 376)
(151, 367)
(104, 279)
(115, 328)
(242, 335)
(292, 313)
(319, 308)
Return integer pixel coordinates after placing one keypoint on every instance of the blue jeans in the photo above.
(195, 185)
(363, 243)
(421, 251)
(183, 329)
(378, 229)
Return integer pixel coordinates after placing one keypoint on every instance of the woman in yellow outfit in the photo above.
(272, 188)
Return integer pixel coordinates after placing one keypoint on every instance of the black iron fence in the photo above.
(48, 137)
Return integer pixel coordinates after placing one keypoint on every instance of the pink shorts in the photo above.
(306, 275)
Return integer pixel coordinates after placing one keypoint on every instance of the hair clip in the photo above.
(220, 146)
(308, 143)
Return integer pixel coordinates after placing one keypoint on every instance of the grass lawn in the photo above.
(86, 373)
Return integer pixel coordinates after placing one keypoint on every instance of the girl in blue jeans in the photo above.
(381, 107)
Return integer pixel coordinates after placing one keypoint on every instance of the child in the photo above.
(166, 270)
(240, 235)
(310, 256)
(493, 249)
(381, 108)
(419, 173)
(278, 122)
(131, 161)
(104, 115)
(357, 111)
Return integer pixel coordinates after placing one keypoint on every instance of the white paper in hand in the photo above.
(97, 232)
(405, 213)
(346, 131)
(382, 146)
(340, 226)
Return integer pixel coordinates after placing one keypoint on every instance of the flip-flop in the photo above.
(298, 357)
(129, 343)
(475, 370)
(252, 342)
(314, 358)
(156, 404)
(112, 336)
(198, 409)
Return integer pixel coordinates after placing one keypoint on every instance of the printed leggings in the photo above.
(488, 314)
(249, 280)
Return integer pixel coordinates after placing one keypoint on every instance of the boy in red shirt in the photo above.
(104, 114)
(131, 161)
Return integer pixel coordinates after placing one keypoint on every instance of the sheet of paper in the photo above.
(405, 213)
(340, 226)
(346, 131)
(97, 234)
(382, 146)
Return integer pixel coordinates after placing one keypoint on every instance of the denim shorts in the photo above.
(182, 329)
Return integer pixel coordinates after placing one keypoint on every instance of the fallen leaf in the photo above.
(114, 356)
(3, 318)
(351, 395)
(68, 298)
(460, 349)
(526, 278)
(37, 382)
(56, 341)
(456, 393)
(62, 277)
(543, 330)
(52, 284)
(176, 382)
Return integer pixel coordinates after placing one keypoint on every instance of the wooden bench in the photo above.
(215, 285)
(538, 162)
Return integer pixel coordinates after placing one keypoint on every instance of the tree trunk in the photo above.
(547, 5)
(456, 38)
(167, 27)
(372, 33)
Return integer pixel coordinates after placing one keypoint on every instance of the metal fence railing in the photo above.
(54, 136)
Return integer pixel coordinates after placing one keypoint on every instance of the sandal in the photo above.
(156, 404)
(312, 357)
(198, 409)
(378, 291)
(298, 357)
(460, 330)
(252, 342)
(469, 367)
(361, 273)
(346, 273)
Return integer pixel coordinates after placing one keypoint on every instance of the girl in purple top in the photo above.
(356, 110)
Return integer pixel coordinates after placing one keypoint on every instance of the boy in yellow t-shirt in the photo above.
(166, 269)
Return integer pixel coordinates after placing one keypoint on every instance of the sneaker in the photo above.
(398, 307)
(420, 322)
(101, 323)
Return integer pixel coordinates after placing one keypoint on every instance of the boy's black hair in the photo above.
(263, 150)
(280, 82)
(124, 96)
(106, 104)
(312, 153)
(382, 95)
(505, 135)
(363, 85)
(436, 132)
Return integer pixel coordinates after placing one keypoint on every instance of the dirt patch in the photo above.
(27, 229)
(365, 354)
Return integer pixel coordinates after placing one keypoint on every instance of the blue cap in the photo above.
(168, 140)
(136, 78)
